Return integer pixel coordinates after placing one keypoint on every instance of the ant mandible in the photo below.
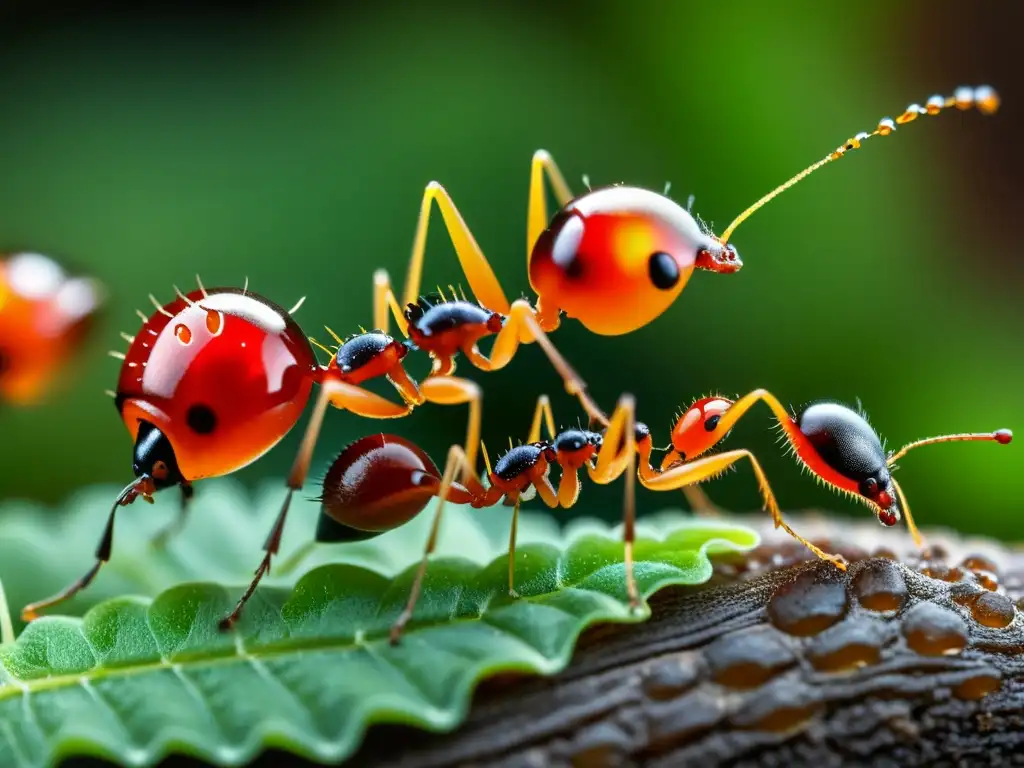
(44, 315)
(380, 482)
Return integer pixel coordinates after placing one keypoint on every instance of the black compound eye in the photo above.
(712, 421)
(201, 419)
(664, 270)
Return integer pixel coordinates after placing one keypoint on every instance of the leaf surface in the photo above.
(310, 667)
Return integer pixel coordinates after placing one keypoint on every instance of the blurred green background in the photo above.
(291, 145)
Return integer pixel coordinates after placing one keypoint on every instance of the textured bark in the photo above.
(741, 671)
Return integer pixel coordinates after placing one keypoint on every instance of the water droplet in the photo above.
(911, 114)
(932, 630)
(747, 659)
(964, 98)
(977, 687)
(991, 609)
(854, 643)
(941, 571)
(979, 563)
(987, 580)
(934, 105)
(880, 586)
(813, 601)
(783, 719)
(987, 99)
(669, 678)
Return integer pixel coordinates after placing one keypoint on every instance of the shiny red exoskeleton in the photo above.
(212, 381)
(381, 482)
(45, 314)
(614, 258)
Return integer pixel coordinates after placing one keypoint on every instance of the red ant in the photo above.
(44, 314)
(215, 379)
(380, 482)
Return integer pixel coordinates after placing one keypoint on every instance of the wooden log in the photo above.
(779, 661)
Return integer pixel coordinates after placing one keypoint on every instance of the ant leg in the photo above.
(537, 218)
(521, 326)
(450, 390)
(546, 491)
(31, 611)
(905, 508)
(712, 466)
(343, 396)
(618, 445)
(699, 502)
(616, 457)
(159, 541)
(744, 404)
(455, 461)
(513, 533)
(542, 414)
(482, 280)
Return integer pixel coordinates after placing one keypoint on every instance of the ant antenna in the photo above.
(984, 98)
(1001, 436)
(318, 345)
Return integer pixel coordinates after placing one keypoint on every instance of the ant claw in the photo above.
(838, 561)
(396, 630)
(226, 624)
(635, 603)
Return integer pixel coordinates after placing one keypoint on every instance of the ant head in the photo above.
(154, 458)
(697, 430)
(719, 257)
(881, 492)
(617, 257)
(846, 452)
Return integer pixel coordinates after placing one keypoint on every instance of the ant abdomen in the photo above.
(843, 438)
(377, 484)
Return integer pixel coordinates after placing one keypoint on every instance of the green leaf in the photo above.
(310, 667)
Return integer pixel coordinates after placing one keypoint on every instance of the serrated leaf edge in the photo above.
(281, 734)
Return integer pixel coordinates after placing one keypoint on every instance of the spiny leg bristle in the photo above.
(159, 306)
